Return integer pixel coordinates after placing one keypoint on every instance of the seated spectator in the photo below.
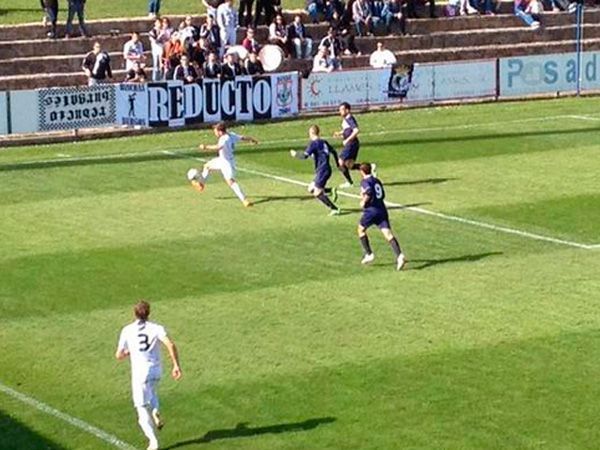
(411, 8)
(361, 15)
(96, 66)
(333, 44)
(250, 43)
(136, 74)
(377, 19)
(528, 12)
(209, 31)
(467, 9)
(212, 67)
(253, 66)
(382, 57)
(323, 62)
(231, 68)
(133, 51)
(343, 31)
(278, 34)
(392, 13)
(172, 54)
(184, 71)
(298, 37)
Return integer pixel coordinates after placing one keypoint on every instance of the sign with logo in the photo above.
(132, 104)
(327, 90)
(459, 80)
(548, 73)
(244, 98)
(76, 107)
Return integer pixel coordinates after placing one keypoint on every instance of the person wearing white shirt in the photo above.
(227, 21)
(382, 57)
(224, 162)
(322, 62)
(133, 51)
(140, 341)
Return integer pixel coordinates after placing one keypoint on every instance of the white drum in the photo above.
(240, 50)
(271, 57)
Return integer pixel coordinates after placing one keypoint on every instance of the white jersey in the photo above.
(226, 146)
(142, 341)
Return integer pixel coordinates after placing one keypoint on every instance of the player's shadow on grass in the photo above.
(424, 181)
(421, 264)
(405, 206)
(274, 198)
(243, 430)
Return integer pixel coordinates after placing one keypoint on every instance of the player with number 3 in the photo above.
(375, 213)
(140, 341)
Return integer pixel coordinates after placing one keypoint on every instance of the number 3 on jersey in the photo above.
(144, 342)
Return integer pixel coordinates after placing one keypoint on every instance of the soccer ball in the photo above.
(193, 174)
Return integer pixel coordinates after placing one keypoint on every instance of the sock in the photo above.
(346, 174)
(395, 247)
(238, 191)
(364, 241)
(325, 200)
(355, 166)
(147, 425)
(205, 173)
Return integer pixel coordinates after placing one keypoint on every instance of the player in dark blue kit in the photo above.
(320, 151)
(349, 154)
(375, 213)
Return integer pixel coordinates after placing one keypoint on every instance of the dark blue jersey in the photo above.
(373, 188)
(349, 124)
(320, 151)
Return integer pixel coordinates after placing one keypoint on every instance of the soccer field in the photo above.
(489, 339)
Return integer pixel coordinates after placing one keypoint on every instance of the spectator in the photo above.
(136, 74)
(209, 31)
(564, 5)
(250, 43)
(212, 68)
(298, 37)
(189, 34)
(322, 62)
(266, 7)
(153, 8)
(361, 14)
(411, 8)
(245, 13)
(392, 13)
(278, 34)
(184, 71)
(133, 50)
(228, 23)
(211, 7)
(466, 8)
(332, 6)
(198, 52)
(528, 12)
(333, 44)
(157, 42)
(343, 31)
(167, 29)
(376, 13)
(96, 66)
(231, 68)
(381, 57)
(315, 9)
(76, 7)
(51, 10)
(172, 54)
(253, 66)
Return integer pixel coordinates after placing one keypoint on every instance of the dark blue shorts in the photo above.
(350, 151)
(375, 217)
(321, 178)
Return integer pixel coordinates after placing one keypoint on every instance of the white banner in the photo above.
(3, 113)
(543, 74)
(76, 107)
(132, 104)
(459, 80)
(327, 90)
(285, 94)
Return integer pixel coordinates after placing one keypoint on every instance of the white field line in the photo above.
(74, 421)
(449, 217)
(591, 118)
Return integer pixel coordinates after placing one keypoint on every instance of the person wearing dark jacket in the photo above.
(299, 38)
(253, 66)
(96, 66)
(76, 7)
(51, 10)
(184, 71)
(209, 31)
(212, 68)
(231, 68)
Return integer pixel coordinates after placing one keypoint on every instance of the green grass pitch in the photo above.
(488, 341)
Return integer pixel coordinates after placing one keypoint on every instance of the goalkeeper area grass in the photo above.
(488, 340)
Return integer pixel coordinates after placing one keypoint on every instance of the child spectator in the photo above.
(250, 43)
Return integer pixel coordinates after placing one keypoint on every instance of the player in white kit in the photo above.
(225, 162)
(140, 341)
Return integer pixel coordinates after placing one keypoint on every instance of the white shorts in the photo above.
(226, 167)
(144, 392)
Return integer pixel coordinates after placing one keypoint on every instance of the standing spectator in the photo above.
(96, 65)
(76, 7)
(253, 66)
(411, 8)
(361, 14)
(466, 8)
(278, 34)
(297, 35)
(228, 23)
(528, 12)
(136, 74)
(172, 54)
(332, 6)
(211, 7)
(157, 41)
(322, 62)
(51, 10)
(333, 44)
(153, 8)
(250, 43)
(265, 6)
(184, 71)
(245, 13)
(198, 53)
(189, 35)
(212, 68)
(315, 8)
(343, 31)
(133, 50)
(231, 68)
(392, 13)
(209, 31)
(382, 57)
